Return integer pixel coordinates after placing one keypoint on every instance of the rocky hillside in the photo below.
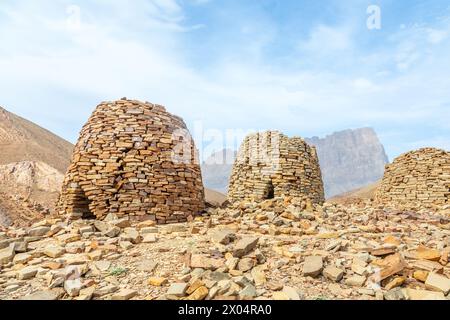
(29, 176)
(32, 164)
(29, 190)
(22, 140)
(350, 159)
(358, 195)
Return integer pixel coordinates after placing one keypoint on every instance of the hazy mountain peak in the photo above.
(350, 159)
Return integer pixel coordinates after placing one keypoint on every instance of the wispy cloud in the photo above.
(233, 65)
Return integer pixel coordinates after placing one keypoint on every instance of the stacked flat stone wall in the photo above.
(270, 165)
(133, 159)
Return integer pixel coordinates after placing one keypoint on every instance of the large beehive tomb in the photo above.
(417, 179)
(133, 159)
(270, 165)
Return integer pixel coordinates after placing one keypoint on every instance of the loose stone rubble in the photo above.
(133, 159)
(285, 249)
(417, 179)
(272, 165)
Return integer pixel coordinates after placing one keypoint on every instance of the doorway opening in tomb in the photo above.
(269, 192)
(82, 205)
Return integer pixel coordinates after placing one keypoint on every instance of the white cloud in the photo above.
(327, 40)
(437, 36)
(139, 53)
(365, 84)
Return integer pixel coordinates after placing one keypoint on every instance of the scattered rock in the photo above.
(438, 283)
(157, 281)
(103, 265)
(53, 251)
(355, 281)
(259, 275)
(248, 292)
(27, 273)
(199, 294)
(147, 265)
(333, 273)
(149, 238)
(428, 254)
(244, 246)
(204, 262)
(421, 275)
(394, 283)
(124, 294)
(177, 289)
(223, 236)
(414, 294)
(394, 294)
(132, 235)
(42, 295)
(7, 255)
(246, 264)
(313, 266)
(148, 230)
(107, 229)
(22, 258)
(73, 287)
(383, 251)
(38, 231)
(280, 295)
(291, 293)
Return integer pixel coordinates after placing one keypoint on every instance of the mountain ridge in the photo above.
(350, 159)
(23, 140)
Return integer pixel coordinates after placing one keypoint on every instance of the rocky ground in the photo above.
(283, 249)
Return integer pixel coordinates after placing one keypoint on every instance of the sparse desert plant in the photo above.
(117, 271)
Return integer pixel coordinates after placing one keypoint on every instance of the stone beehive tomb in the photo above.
(133, 159)
(417, 179)
(270, 165)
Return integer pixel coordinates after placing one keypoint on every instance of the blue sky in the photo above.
(303, 67)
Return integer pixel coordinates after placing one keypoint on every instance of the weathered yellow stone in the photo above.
(414, 294)
(197, 284)
(392, 240)
(396, 282)
(428, 254)
(328, 235)
(261, 217)
(199, 294)
(420, 275)
(280, 295)
(157, 281)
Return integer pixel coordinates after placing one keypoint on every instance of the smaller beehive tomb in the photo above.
(270, 165)
(417, 179)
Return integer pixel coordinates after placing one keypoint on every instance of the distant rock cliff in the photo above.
(216, 170)
(350, 159)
